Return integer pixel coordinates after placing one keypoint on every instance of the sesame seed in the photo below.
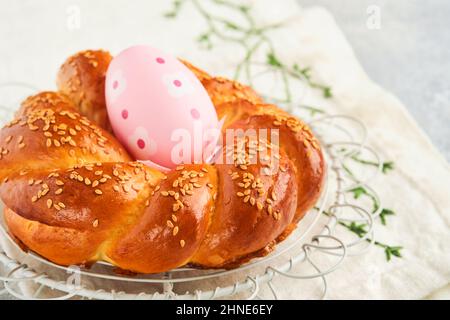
(95, 223)
(175, 231)
(116, 188)
(57, 207)
(48, 143)
(59, 183)
(87, 181)
(31, 182)
(98, 192)
(246, 199)
(259, 205)
(95, 183)
(182, 243)
(62, 205)
(174, 218)
(49, 203)
(34, 199)
(169, 224)
(164, 193)
(59, 191)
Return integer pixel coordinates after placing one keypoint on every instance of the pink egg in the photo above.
(158, 109)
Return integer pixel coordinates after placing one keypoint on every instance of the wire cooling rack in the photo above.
(313, 251)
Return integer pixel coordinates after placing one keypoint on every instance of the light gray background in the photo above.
(409, 56)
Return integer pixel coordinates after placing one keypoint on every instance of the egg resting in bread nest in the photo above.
(74, 195)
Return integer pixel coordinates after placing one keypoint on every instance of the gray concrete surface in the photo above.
(409, 55)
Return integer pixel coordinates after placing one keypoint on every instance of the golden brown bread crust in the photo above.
(47, 131)
(223, 90)
(74, 195)
(82, 79)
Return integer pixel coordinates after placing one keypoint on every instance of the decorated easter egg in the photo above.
(158, 109)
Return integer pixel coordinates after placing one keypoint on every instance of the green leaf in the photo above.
(244, 9)
(358, 192)
(176, 5)
(392, 251)
(387, 166)
(231, 25)
(170, 15)
(273, 61)
(385, 212)
(205, 39)
(388, 254)
(396, 251)
(327, 93)
(305, 72)
(358, 229)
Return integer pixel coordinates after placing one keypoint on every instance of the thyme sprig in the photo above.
(360, 230)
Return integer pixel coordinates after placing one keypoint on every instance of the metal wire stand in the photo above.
(313, 251)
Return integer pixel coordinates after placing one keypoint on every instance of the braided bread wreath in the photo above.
(73, 195)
